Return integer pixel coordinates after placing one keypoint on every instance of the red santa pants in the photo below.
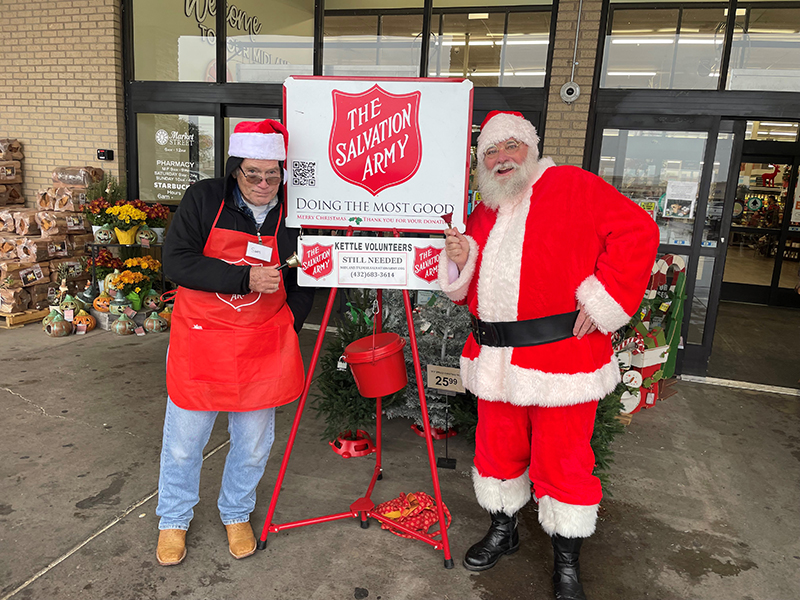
(552, 442)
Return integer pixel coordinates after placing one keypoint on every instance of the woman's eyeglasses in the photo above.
(257, 178)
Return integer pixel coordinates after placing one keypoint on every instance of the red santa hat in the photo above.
(499, 125)
(262, 140)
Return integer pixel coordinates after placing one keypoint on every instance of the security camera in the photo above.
(570, 92)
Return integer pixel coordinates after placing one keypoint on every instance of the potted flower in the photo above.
(95, 213)
(157, 215)
(133, 285)
(126, 219)
(104, 264)
(148, 266)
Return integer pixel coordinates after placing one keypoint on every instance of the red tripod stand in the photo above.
(363, 507)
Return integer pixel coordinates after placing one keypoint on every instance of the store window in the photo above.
(660, 171)
(664, 48)
(174, 152)
(765, 53)
(505, 49)
(773, 131)
(174, 41)
(702, 292)
(373, 45)
(268, 40)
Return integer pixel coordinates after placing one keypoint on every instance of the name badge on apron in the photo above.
(259, 252)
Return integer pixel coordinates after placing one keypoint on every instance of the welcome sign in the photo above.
(377, 154)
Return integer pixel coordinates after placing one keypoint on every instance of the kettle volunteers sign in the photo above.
(377, 154)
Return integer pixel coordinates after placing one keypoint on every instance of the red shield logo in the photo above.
(426, 263)
(317, 260)
(375, 140)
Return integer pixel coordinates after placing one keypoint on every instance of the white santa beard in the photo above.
(500, 190)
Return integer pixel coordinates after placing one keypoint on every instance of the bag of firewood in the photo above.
(10, 171)
(78, 243)
(33, 250)
(9, 246)
(77, 176)
(7, 221)
(15, 194)
(24, 274)
(52, 223)
(14, 300)
(25, 222)
(11, 149)
(76, 223)
(59, 246)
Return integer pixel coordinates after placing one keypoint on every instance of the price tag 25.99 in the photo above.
(445, 378)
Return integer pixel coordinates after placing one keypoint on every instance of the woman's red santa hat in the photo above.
(262, 140)
(499, 125)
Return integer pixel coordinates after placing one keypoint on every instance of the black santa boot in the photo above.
(566, 570)
(502, 538)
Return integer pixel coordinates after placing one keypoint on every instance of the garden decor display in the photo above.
(102, 303)
(125, 219)
(108, 281)
(123, 325)
(105, 234)
(85, 319)
(146, 236)
(152, 301)
(155, 323)
(119, 304)
(58, 327)
(70, 303)
(166, 314)
(46, 321)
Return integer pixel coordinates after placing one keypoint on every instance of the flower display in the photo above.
(157, 215)
(131, 281)
(146, 265)
(104, 264)
(125, 216)
(95, 211)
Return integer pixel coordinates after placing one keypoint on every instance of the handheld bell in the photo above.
(292, 262)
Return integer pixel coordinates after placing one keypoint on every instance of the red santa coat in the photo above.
(571, 237)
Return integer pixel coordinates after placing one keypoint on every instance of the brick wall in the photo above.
(565, 124)
(61, 84)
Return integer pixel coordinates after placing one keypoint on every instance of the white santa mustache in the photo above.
(504, 166)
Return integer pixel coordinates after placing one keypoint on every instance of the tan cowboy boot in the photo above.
(171, 547)
(241, 541)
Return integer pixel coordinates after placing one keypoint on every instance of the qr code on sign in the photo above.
(304, 173)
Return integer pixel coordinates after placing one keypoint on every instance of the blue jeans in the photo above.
(186, 433)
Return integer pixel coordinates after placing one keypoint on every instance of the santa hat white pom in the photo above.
(498, 126)
(262, 140)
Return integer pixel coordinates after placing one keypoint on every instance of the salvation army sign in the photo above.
(375, 139)
(377, 154)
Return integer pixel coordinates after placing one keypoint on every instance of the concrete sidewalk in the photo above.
(704, 497)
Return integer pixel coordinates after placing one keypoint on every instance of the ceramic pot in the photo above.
(89, 293)
(152, 301)
(155, 323)
(107, 282)
(58, 327)
(159, 231)
(70, 303)
(166, 313)
(126, 238)
(50, 317)
(136, 301)
(105, 235)
(119, 304)
(146, 236)
(102, 302)
(123, 326)
(84, 318)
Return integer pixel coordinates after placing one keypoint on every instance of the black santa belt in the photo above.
(531, 332)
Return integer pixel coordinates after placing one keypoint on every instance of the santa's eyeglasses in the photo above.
(510, 147)
(255, 178)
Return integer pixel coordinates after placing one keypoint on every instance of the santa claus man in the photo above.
(553, 261)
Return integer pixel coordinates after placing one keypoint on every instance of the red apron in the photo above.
(231, 352)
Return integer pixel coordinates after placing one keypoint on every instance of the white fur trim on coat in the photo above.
(606, 312)
(501, 495)
(567, 520)
(259, 146)
(456, 289)
(492, 377)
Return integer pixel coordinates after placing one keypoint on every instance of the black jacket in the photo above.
(185, 264)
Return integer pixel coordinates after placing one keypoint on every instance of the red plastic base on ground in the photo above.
(361, 446)
(436, 432)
